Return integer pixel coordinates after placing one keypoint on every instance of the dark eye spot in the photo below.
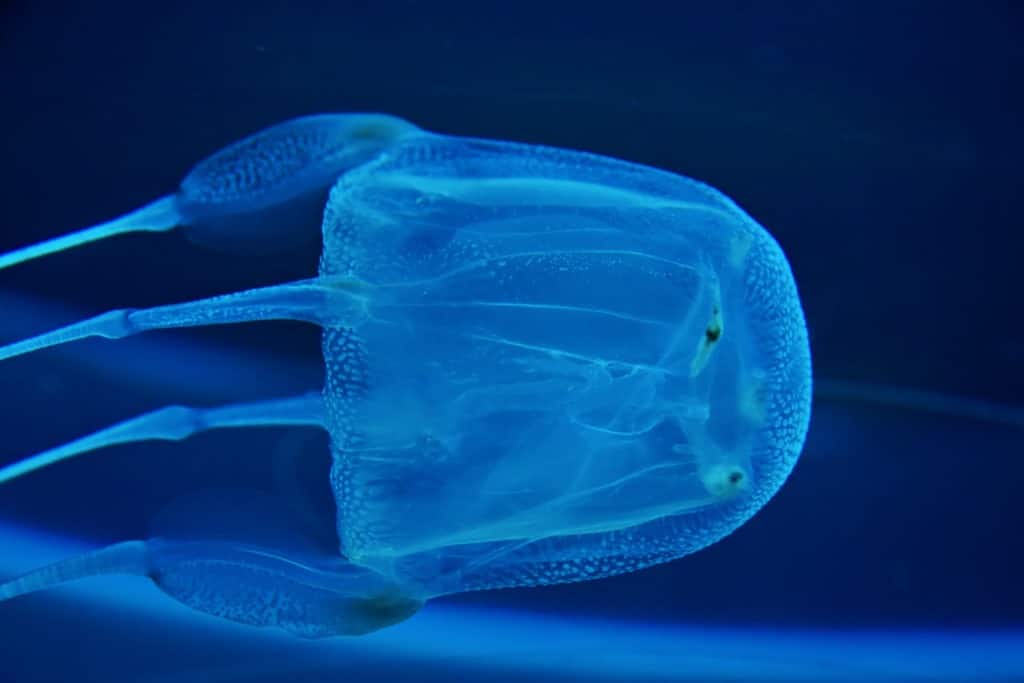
(735, 477)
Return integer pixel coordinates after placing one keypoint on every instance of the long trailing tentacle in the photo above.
(122, 558)
(318, 301)
(309, 596)
(174, 423)
(157, 216)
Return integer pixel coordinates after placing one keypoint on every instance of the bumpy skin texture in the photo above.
(543, 366)
(288, 158)
(573, 367)
(262, 594)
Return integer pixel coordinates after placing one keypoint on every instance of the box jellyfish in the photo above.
(541, 366)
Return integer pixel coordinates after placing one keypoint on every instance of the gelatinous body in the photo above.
(541, 366)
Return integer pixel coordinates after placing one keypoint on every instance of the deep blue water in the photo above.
(878, 142)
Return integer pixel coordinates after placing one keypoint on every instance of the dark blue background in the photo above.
(878, 141)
